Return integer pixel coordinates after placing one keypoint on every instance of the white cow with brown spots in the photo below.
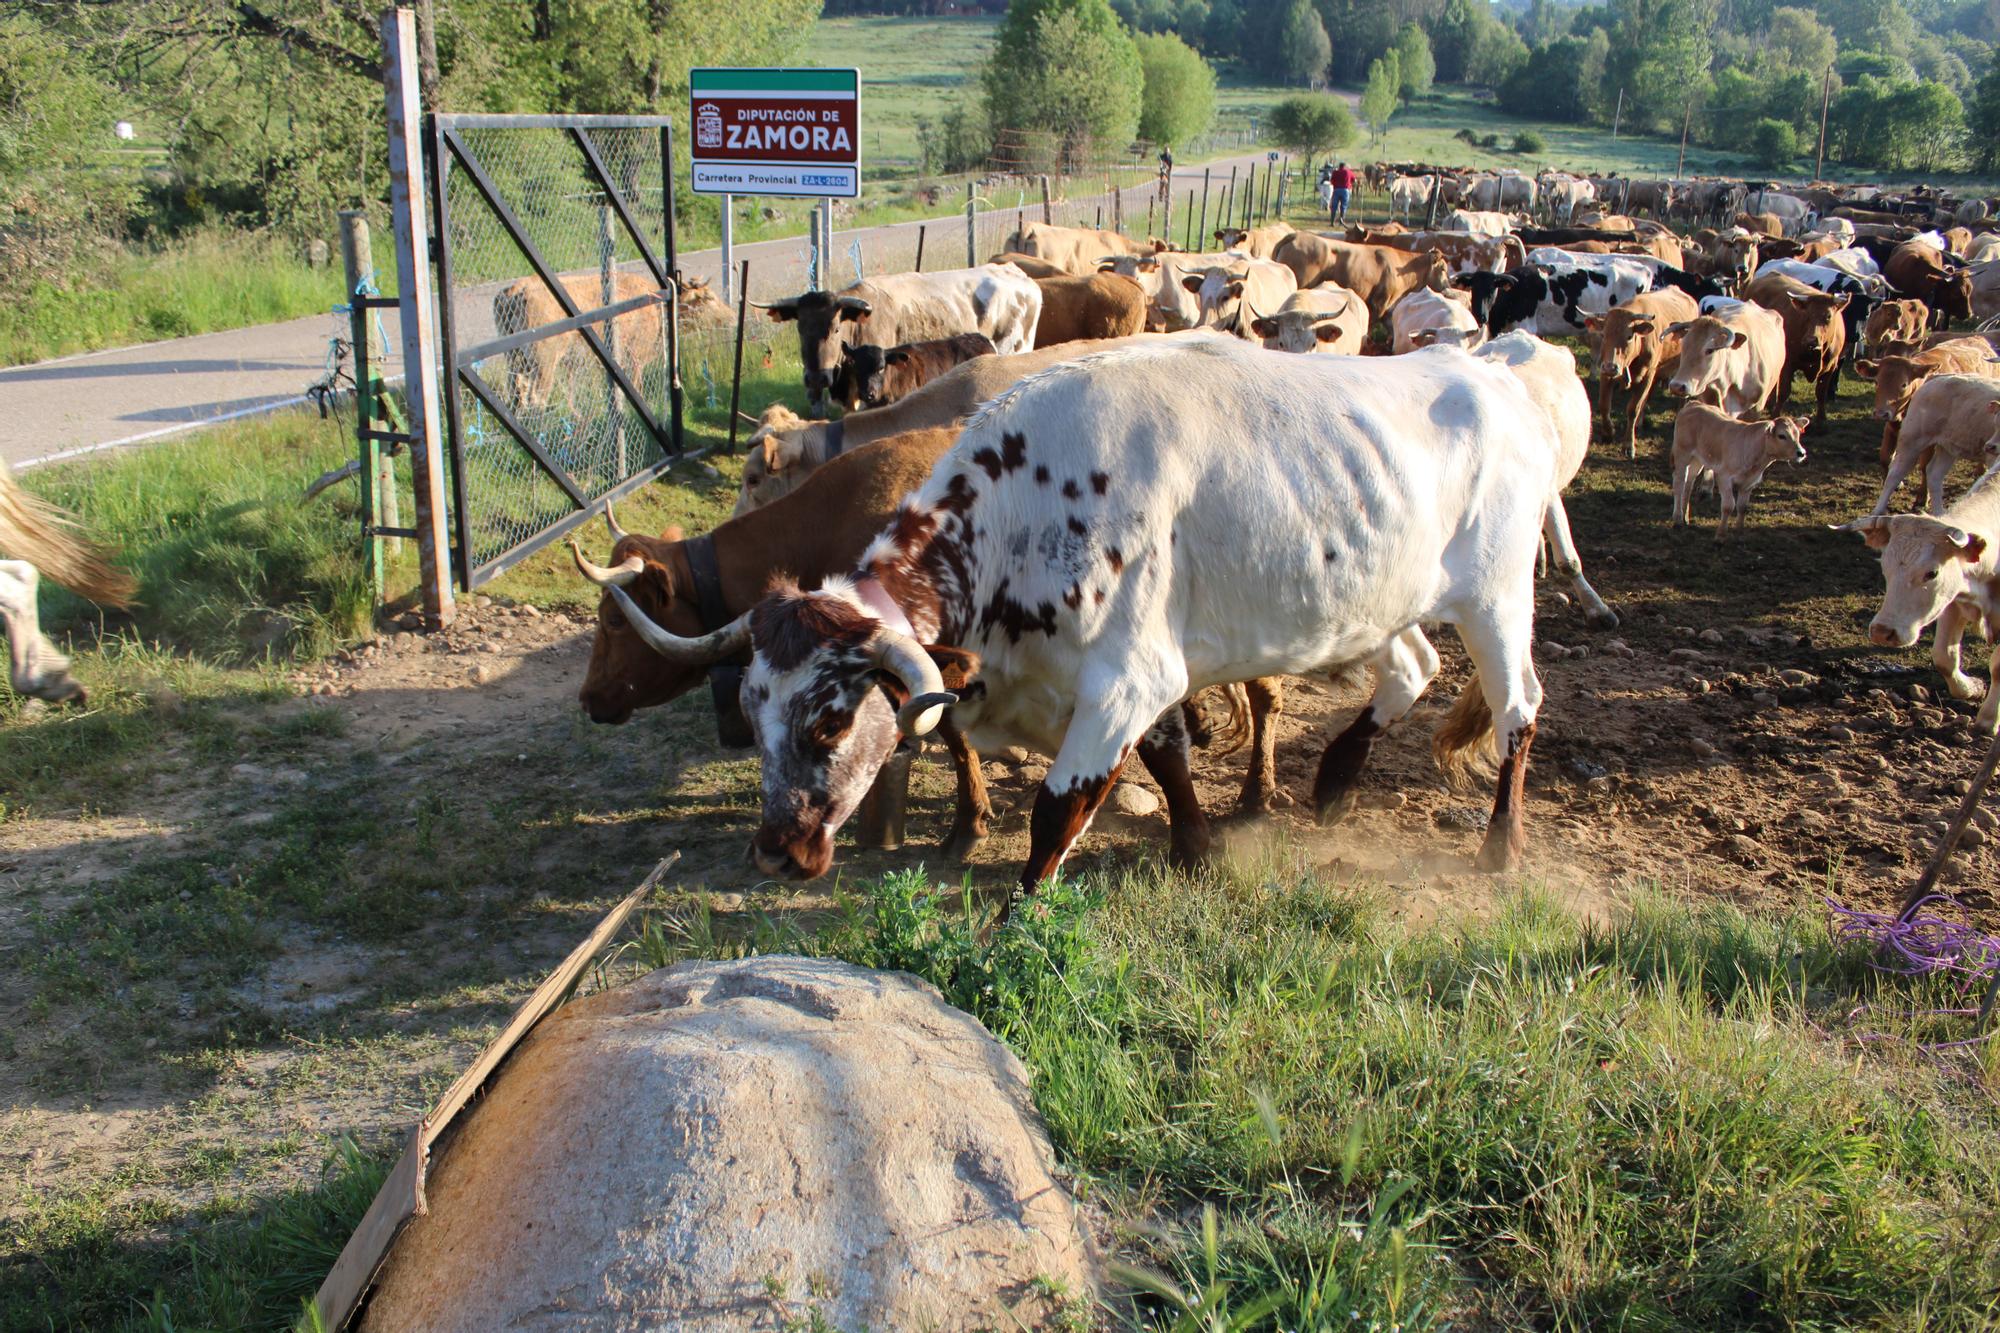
(1736, 454)
(1950, 420)
(1083, 559)
(1942, 571)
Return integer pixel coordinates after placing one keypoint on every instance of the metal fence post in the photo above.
(400, 89)
(971, 224)
(736, 380)
(728, 247)
(607, 249)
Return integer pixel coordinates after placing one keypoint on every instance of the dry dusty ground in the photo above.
(301, 930)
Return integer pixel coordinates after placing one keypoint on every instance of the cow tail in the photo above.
(1464, 735)
(33, 530)
(1234, 733)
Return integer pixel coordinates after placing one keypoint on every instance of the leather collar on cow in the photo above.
(725, 679)
(836, 437)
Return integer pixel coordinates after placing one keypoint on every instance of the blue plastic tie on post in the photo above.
(854, 253)
(708, 379)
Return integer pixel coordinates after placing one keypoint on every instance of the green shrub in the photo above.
(1529, 141)
(1774, 143)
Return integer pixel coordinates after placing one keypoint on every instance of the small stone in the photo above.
(997, 771)
(1686, 655)
(1744, 848)
(1764, 699)
(482, 602)
(1986, 819)
(1464, 818)
(1710, 635)
(531, 612)
(1698, 685)
(1015, 755)
(1599, 784)
(1974, 836)
(1552, 650)
(1383, 800)
(1704, 749)
(1794, 676)
(1684, 631)
(1129, 798)
(1959, 786)
(1581, 650)
(480, 674)
(1840, 733)
(1617, 647)
(410, 620)
(1916, 693)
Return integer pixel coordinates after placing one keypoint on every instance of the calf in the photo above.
(1950, 418)
(1900, 321)
(1319, 319)
(877, 376)
(1103, 305)
(1732, 356)
(1942, 571)
(1638, 343)
(1462, 251)
(1815, 336)
(1425, 317)
(1378, 274)
(1736, 454)
(1230, 296)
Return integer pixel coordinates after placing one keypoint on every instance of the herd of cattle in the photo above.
(1077, 487)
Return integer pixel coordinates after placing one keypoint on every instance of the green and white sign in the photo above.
(776, 131)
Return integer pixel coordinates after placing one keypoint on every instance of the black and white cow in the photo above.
(1110, 535)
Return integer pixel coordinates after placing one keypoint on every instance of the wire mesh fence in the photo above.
(544, 426)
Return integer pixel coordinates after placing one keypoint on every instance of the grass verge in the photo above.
(213, 280)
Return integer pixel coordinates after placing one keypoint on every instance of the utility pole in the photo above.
(1618, 115)
(1687, 118)
(1825, 99)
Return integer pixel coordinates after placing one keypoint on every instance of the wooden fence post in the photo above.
(1204, 208)
(736, 380)
(971, 224)
(419, 315)
(1047, 216)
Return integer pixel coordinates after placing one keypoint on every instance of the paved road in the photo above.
(84, 404)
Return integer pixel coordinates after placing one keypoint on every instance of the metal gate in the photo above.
(557, 322)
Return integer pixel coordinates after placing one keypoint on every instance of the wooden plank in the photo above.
(402, 1194)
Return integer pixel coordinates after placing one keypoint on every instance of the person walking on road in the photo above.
(1166, 175)
(1342, 181)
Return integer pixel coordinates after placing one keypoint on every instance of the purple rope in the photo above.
(1918, 946)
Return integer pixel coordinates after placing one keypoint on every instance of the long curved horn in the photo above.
(618, 534)
(747, 419)
(899, 655)
(707, 650)
(616, 577)
(856, 304)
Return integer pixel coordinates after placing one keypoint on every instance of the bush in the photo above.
(1489, 141)
(1774, 143)
(1178, 102)
(1310, 125)
(1528, 141)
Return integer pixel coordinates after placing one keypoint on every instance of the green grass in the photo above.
(1529, 1122)
(212, 281)
(910, 70)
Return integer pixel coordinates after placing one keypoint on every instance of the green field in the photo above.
(910, 71)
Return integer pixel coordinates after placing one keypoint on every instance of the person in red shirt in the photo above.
(1342, 181)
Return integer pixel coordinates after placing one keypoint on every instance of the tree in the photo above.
(1983, 117)
(1310, 125)
(1795, 41)
(1178, 100)
(1497, 53)
(1384, 91)
(1067, 67)
(1301, 51)
(55, 119)
(1454, 35)
(1550, 84)
(1414, 62)
(1773, 143)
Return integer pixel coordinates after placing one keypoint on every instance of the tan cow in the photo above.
(1815, 335)
(1638, 343)
(1076, 250)
(1733, 357)
(527, 303)
(1951, 419)
(1902, 320)
(1919, 270)
(1897, 377)
(1733, 258)
(1102, 305)
(1230, 294)
(1321, 319)
(1170, 307)
(1379, 274)
(1942, 570)
(1986, 289)
(1028, 264)
(1710, 443)
(1425, 317)
(1762, 224)
(1257, 243)
(1464, 252)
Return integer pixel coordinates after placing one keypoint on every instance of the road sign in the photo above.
(776, 131)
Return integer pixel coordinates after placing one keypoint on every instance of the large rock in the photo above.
(739, 1146)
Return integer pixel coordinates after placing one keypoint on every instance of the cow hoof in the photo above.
(1604, 619)
(960, 844)
(1497, 855)
(1332, 810)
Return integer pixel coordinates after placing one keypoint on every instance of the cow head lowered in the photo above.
(830, 693)
(828, 322)
(1924, 565)
(646, 603)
